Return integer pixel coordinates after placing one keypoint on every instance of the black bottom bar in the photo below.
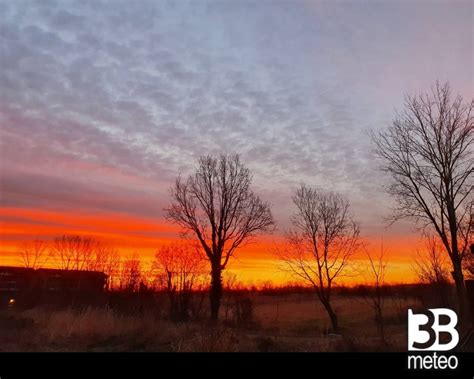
(222, 365)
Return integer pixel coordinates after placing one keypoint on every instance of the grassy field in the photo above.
(284, 322)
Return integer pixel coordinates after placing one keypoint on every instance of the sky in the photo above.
(103, 104)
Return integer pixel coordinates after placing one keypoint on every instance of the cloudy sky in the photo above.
(102, 104)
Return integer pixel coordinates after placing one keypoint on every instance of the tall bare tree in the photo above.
(428, 152)
(180, 266)
(376, 297)
(217, 206)
(33, 254)
(320, 246)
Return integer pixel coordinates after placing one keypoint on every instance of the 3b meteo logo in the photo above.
(432, 330)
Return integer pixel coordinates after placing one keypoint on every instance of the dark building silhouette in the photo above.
(26, 286)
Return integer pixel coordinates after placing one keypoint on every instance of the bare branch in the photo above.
(218, 208)
(428, 153)
(33, 254)
(324, 239)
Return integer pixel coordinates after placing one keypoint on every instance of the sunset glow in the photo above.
(255, 263)
(102, 108)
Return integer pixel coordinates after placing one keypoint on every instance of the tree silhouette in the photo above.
(33, 254)
(321, 243)
(179, 266)
(431, 267)
(75, 252)
(217, 206)
(428, 152)
(131, 274)
(377, 294)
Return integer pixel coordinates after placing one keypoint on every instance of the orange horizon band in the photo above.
(128, 234)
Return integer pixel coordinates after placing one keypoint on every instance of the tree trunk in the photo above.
(457, 265)
(461, 291)
(216, 291)
(332, 316)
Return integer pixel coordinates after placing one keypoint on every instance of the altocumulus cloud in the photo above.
(103, 103)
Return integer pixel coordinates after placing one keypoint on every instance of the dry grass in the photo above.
(91, 323)
(281, 323)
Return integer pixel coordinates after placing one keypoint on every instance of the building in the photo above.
(26, 286)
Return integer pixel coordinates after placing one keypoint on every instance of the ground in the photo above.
(284, 322)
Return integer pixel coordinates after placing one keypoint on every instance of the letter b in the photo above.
(424, 330)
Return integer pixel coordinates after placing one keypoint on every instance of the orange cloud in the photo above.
(253, 263)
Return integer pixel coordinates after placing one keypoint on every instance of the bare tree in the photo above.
(102, 258)
(33, 254)
(232, 282)
(428, 152)
(131, 274)
(376, 274)
(431, 266)
(111, 267)
(180, 266)
(319, 247)
(74, 252)
(217, 206)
